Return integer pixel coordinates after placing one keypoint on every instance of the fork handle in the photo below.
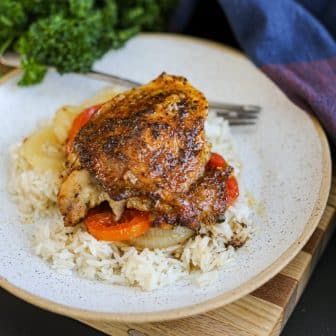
(113, 78)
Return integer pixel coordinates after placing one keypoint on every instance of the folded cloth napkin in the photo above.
(293, 42)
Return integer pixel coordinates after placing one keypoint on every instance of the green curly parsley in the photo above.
(71, 34)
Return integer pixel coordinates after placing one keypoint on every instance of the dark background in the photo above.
(314, 315)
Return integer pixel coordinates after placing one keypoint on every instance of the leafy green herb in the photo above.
(33, 72)
(71, 34)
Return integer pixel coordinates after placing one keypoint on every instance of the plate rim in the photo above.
(225, 298)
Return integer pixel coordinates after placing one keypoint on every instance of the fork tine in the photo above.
(241, 123)
(237, 110)
(235, 107)
(237, 116)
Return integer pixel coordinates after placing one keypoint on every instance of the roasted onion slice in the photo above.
(159, 238)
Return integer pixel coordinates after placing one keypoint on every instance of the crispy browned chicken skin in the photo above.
(147, 147)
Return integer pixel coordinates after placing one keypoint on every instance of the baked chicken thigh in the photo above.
(146, 149)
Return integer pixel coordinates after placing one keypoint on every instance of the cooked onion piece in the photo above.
(158, 238)
(43, 151)
(63, 120)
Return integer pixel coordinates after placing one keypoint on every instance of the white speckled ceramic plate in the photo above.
(286, 166)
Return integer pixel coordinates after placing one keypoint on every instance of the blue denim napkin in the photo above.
(293, 42)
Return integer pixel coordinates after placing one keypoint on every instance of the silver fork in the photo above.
(235, 114)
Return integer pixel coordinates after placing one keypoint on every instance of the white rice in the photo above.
(73, 249)
(35, 193)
